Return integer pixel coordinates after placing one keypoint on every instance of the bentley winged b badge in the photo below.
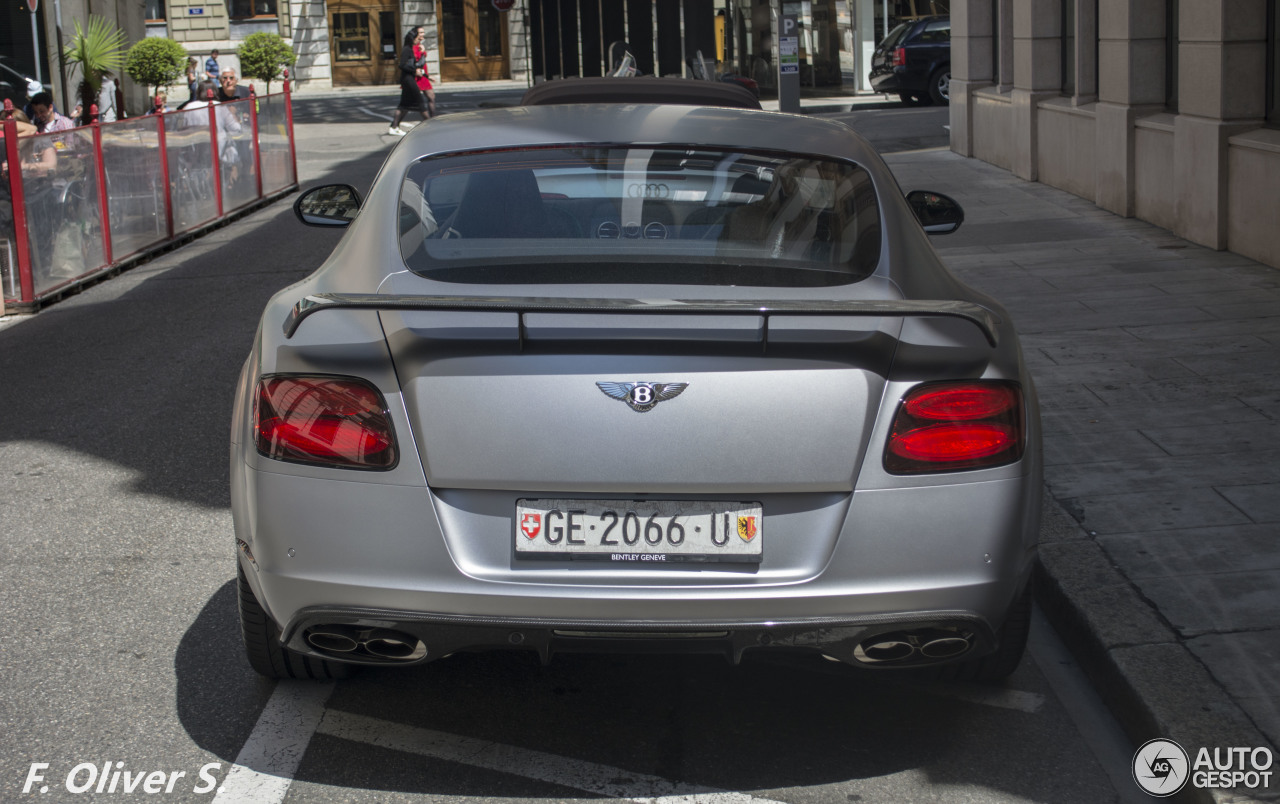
(642, 396)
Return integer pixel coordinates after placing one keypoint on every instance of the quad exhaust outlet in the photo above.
(352, 642)
(914, 647)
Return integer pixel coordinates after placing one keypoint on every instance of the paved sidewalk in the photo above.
(1156, 364)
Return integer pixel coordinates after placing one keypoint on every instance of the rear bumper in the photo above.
(367, 556)
(898, 80)
(440, 635)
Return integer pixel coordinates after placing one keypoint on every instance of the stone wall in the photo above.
(1192, 156)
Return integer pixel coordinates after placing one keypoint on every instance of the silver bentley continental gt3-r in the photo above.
(595, 377)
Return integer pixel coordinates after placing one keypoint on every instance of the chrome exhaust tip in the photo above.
(393, 645)
(944, 648)
(332, 641)
(885, 650)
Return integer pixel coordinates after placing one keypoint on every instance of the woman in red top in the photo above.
(413, 74)
(424, 80)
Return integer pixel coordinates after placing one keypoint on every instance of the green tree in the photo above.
(263, 56)
(97, 51)
(155, 62)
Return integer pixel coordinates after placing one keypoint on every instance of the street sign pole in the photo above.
(789, 58)
(35, 39)
(62, 59)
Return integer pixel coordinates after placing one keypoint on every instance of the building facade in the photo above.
(1161, 109)
(356, 42)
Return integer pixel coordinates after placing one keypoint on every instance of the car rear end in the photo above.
(911, 60)
(636, 398)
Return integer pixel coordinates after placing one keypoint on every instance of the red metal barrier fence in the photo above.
(95, 198)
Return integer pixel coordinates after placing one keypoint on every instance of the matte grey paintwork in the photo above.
(478, 430)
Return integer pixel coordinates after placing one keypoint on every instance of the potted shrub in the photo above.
(264, 56)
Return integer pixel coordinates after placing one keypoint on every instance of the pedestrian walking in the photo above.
(193, 76)
(413, 68)
(211, 70)
(424, 80)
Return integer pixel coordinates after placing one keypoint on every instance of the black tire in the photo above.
(995, 667)
(940, 86)
(262, 644)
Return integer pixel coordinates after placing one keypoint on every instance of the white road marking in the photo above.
(600, 780)
(372, 113)
(266, 764)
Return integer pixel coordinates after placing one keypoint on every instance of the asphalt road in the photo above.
(116, 580)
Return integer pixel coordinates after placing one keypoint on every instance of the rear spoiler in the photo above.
(309, 305)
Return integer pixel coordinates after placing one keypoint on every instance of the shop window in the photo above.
(1171, 56)
(244, 9)
(155, 11)
(351, 36)
(387, 27)
(1002, 44)
(1068, 47)
(453, 36)
(1273, 64)
(995, 42)
(1080, 49)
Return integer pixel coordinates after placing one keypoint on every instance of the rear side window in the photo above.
(617, 214)
(936, 32)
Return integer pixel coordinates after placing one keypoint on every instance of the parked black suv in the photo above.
(914, 61)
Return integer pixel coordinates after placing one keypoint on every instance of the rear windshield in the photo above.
(892, 39)
(639, 215)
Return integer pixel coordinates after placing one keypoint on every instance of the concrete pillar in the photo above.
(1221, 91)
(1037, 74)
(867, 33)
(971, 66)
(1131, 58)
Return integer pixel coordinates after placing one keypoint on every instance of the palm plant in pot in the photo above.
(98, 50)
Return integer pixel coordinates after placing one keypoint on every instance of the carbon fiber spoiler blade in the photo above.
(309, 305)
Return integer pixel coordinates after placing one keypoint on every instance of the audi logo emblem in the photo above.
(638, 190)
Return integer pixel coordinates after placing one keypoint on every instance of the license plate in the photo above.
(640, 532)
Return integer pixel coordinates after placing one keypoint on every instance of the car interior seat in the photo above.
(501, 204)
(706, 223)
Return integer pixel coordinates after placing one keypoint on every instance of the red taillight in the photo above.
(332, 421)
(899, 57)
(945, 427)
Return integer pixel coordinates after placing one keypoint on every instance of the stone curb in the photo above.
(1152, 683)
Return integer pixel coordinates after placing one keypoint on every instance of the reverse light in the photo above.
(330, 421)
(900, 57)
(947, 427)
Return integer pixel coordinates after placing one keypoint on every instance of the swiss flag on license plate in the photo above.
(531, 525)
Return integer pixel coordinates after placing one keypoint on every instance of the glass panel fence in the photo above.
(62, 197)
(135, 184)
(273, 144)
(187, 141)
(10, 289)
(235, 153)
(63, 212)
